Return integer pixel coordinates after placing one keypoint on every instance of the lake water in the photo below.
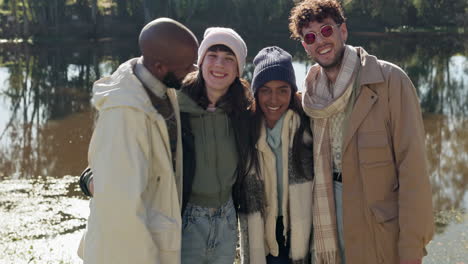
(46, 124)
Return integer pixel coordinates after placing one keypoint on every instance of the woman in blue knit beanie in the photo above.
(276, 199)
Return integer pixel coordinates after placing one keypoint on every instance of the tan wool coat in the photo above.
(387, 204)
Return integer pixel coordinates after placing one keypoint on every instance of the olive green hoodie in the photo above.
(215, 154)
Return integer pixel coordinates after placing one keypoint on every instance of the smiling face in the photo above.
(274, 98)
(219, 70)
(326, 51)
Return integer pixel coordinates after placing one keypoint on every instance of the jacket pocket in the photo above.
(384, 210)
(189, 219)
(374, 149)
(376, 166)
(166, 231)
(386, 228)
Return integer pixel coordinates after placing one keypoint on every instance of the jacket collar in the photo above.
(124, 89)
(371, 72)
(148, 80)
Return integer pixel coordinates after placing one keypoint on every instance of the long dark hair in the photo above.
(254, 134)
(297, 153)
(238, 105)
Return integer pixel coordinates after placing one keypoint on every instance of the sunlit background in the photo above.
(46, 118)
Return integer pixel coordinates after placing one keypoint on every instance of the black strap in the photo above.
(188, 146)
(337, 176)
(85, 178)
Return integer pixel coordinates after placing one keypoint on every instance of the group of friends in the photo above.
(188, 161)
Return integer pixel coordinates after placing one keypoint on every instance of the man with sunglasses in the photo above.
(372, 196)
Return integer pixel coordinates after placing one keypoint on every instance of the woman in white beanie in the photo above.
(214, 103)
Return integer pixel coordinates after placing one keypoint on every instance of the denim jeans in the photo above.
(338, 186)
(209, 235)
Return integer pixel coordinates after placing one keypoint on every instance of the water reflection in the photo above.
(447, 149)
(45, 92)
(436, 63)
(46, 122)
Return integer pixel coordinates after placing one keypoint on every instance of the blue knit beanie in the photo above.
(273, 63)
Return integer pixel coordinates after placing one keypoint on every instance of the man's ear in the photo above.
(305, 46)
(159, 70)
(344, 32)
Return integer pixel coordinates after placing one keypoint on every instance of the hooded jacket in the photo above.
(215, 154)
(135, 211)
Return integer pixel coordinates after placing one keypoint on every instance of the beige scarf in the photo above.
(258, 231)
(320, 104)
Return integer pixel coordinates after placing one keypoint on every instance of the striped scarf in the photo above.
(320, 105)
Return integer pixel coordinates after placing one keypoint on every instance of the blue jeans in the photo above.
(209, 235)
(338, 186)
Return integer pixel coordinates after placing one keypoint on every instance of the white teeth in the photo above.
(325, 51)
(273, 108)
(218, 74)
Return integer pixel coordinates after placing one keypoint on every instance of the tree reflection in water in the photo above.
(46, 95)
(46, 122)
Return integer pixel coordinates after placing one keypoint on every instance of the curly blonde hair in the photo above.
(313, 10)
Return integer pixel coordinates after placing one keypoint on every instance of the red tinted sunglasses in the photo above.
(325, 31)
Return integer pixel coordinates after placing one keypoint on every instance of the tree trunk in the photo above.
(122, 8)
(26, 32)
(148, 10)
(15, 17)
(94, 11)
(94, 14)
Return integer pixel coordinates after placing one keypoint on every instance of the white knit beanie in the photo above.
(223, 36)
